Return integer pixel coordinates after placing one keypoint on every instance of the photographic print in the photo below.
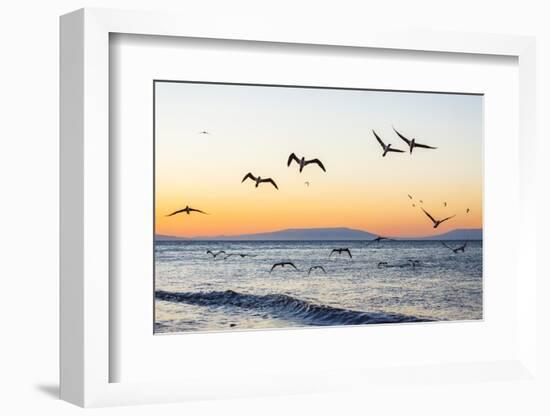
(286, 206)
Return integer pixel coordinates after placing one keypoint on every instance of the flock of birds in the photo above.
(302, 162)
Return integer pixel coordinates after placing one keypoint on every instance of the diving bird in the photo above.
(436, 222)
(457, 249)
(259, 180)
(283, 264)
(412, 142)
(387, 148)
(316, 267)
(215, 254)
(340, 251)
(188, 210)
(303, 162)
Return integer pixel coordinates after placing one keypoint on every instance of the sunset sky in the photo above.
(255, 128)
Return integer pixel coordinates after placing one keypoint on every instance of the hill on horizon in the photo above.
(327, 234)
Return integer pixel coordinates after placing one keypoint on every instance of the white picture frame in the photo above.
(85, 222)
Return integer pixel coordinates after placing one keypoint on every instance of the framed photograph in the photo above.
(245, 213)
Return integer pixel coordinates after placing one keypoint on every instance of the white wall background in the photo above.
(29, 204)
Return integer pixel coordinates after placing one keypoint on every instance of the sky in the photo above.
(255, 128)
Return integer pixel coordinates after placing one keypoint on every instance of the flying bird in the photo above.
(188, 210)
(215, 254)
(303, 162)
(283, 264)
(410, 197)
(457, 249)
(382, 263)
(467, 210)
(204, 132)
(259, 180)
(242, 255)
(306, 183)
(412, 142)
(387, 148)
(377, 240)
(421, 201)
(436, 222)
(444, 204)
(316, 267)
(340, 251)
(414, 205)
(414, 263)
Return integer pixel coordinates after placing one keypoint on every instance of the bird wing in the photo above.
(333, 251)
(209, 252)
(448, 218)
(198, 210)
(310, 269)
(275, 265)
(429, 216)
(464, 245)
(349, 252)
(391, 149)
(291, 264)
(176, 212)
(449, 247)
(291, 158)
(424, 146)
(402, 137)
(318, 162)
(248, 175)
(322, 268)
(271, 181)
(379, 140)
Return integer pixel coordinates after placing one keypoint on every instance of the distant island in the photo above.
(328, 234)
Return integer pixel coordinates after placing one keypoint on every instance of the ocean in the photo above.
(196, 292)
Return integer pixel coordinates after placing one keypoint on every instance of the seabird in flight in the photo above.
(377, 240)
(340, 251)
(316, 267)
(283, 264)
(412, 142)
(259, 180)
(387, 148)
(243, 255)
(303, 162)
(215, 254)
(456, 250)
(436, 222)
(204, 132)
(188, 210)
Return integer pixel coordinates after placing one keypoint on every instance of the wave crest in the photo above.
(285, 306)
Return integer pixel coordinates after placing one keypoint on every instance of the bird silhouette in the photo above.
(283, 264)
(214, 255)
(187, 210)
(436, 223)
(412, 142)
(204, 132)
(303, 162)
(259, 180)
(461, 248)
(340, 251)
(387, 148)
(316, 267)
